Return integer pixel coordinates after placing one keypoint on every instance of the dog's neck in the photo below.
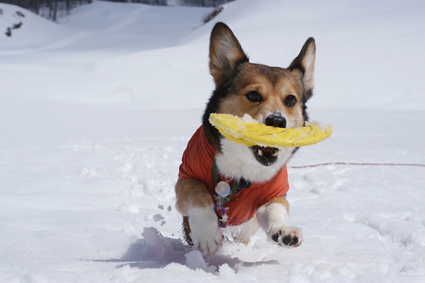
(237, 161)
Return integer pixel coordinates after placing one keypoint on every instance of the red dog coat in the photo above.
(197, 164)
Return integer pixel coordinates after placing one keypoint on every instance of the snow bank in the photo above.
(354, 49)
(27, 30)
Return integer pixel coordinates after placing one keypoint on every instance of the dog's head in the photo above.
(273, 96)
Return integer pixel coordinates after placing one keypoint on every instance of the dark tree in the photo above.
(51, 9)
(54, 9)
(204, 3)
(198, 3)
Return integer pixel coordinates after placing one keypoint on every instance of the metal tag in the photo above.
(222, 189)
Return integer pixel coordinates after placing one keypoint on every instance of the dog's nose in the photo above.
(276, 120)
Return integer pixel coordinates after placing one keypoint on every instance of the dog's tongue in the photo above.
(266, 149)
(269, 150)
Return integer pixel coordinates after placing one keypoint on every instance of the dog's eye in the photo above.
(254, 96)
(290, 101)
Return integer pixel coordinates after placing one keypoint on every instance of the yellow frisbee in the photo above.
(250, 132)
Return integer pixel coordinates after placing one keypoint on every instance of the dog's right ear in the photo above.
(225, 54)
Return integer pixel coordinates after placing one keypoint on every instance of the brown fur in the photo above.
(191, 194)
(274, 85)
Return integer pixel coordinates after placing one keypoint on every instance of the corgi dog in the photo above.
(257, 175)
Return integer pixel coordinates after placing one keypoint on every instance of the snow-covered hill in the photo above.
(96, 111)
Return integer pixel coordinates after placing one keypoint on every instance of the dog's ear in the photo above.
(305, 64)
(225, 54)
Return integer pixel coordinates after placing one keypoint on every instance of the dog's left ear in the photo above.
(225, 54)
(305, 64)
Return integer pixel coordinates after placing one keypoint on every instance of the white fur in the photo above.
(227, 49)
(205, 233)
(237, 161)
(242, 233)
(274, 218)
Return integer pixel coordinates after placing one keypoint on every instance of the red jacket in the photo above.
(197, 164)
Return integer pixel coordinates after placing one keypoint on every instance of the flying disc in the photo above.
(250, 132)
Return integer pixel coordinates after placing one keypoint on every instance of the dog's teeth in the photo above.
(260, 152)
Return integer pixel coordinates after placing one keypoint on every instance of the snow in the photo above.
(96, 110)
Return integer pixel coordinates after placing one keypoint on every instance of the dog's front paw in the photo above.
(287, 236)
(205, 233)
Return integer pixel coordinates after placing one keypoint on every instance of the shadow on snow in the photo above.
(157, 251)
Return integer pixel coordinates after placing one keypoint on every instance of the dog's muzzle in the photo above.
(268, 155)
(265, 155)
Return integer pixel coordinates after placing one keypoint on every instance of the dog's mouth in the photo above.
(265, 155)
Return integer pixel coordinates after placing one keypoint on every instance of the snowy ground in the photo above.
(96, 111)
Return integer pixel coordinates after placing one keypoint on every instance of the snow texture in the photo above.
(96, 111)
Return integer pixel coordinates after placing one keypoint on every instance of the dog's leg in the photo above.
(194, 202)
(273, 218)
(242, 233)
